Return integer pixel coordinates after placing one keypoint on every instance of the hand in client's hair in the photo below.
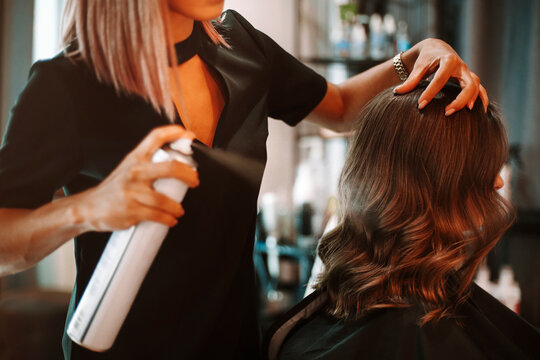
(418, 208)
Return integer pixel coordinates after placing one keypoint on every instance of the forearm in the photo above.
(123, 199)
(340, 108)
(30, 235)
(357, 91)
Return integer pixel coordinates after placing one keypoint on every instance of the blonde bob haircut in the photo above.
(127, 44)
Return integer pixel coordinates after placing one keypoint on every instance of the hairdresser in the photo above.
(90, 119)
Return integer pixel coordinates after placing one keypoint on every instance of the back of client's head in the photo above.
(418, 208)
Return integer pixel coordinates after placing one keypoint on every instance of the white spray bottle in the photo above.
(123, 266)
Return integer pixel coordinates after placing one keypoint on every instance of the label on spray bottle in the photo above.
(123, 265)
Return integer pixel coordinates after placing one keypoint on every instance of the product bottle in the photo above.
(508, 291)
(377, 38)
(359, 42)
(482, 279)
(390, 32)
(269, 205)
(340, 45)
(123, 265)
(402, 37)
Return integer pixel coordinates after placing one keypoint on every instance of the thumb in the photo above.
(412, 81)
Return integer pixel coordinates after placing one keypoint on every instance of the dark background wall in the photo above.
(16, 33)
(500, 40)
(15, 51)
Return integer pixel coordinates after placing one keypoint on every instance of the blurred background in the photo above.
(500, 41)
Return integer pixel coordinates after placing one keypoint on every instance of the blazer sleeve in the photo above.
(40, 151)
(294, 89)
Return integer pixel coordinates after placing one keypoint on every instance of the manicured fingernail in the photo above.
(471, 104)
(395, 90)
(422, 104)
(449, 112)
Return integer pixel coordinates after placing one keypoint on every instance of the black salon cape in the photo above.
(488, 330)
(198, 300)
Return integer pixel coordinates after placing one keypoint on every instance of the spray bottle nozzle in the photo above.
(182, 145)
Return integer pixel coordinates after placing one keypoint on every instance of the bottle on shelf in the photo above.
(389, 24)
(377, 38)
(269, 209)
(482, 279)
(403, 41)
(508, 291)
(340, 46)
(309, 190)
(359, 41)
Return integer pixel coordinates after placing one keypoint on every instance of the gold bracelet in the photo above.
(400, 68)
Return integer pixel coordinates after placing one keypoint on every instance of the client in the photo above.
(419, 211)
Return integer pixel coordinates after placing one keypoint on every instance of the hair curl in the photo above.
(418, 209)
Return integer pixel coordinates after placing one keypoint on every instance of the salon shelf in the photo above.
(363, 64)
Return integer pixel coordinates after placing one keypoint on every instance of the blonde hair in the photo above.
(127, 44)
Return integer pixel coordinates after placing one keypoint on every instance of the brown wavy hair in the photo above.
(418, 208)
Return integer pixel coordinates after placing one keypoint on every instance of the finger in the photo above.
(437, 83)
(152, 214)
(150, 172)
(158, 201)
(468, 90)
(417, 74)
(483, 96)
(160, 136)
(471, 102)
(460, 101)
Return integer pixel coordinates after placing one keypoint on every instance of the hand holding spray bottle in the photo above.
(124, 264)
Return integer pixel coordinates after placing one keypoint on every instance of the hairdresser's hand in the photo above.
(126, 197)
(435, 56)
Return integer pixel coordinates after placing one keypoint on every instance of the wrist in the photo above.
(408, 57)
(79, 214)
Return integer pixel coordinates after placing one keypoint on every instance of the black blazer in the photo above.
(68, 130)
